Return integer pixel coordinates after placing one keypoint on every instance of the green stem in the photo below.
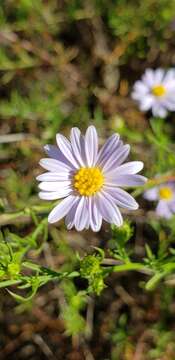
(128, 267)
(9, 283)
(117, 266)
(25, 215)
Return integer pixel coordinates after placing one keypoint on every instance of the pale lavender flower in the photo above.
(165, 195)
(88, 179)
(155, 91)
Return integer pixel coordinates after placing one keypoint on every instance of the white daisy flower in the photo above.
(88, 179)
(156, 91)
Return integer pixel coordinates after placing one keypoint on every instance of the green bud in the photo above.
(91, 270)
(123, 233)
(13, 269)
(97, 284)
(90, 265)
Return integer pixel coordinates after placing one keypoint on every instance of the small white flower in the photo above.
(156, 91)
(88, 179)
(165, 195)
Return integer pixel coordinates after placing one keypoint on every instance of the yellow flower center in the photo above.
(87, 181)
(166, 193)
(158, 90)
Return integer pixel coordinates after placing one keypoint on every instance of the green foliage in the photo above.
(14, 260)
(120, 337)
(71, 310)
(141, 32)
(35, 108)
(160, 138)
(161, 338)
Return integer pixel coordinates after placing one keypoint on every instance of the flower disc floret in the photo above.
(88, 181)
(158, 90)
(166, 193)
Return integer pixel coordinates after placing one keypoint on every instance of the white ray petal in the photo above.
(44, 195)
(54, 176)
(54, 186)
(91, 145)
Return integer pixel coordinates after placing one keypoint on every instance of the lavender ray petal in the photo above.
(122, 198)
(55, 165)
(78, 146)
(66, 149)
(152, 194)
(61, 209)
(55, 153)
(163, 209)
(109, 211)
(132, 167)
(81, 214)
(95, 216)
(70, 217)
(116, 159)
(126, 181)
(107, 149)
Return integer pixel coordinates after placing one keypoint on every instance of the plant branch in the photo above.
(119, 266)
(25, 215)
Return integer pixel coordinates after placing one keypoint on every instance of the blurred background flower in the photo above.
(155, 91)
(165, 195)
